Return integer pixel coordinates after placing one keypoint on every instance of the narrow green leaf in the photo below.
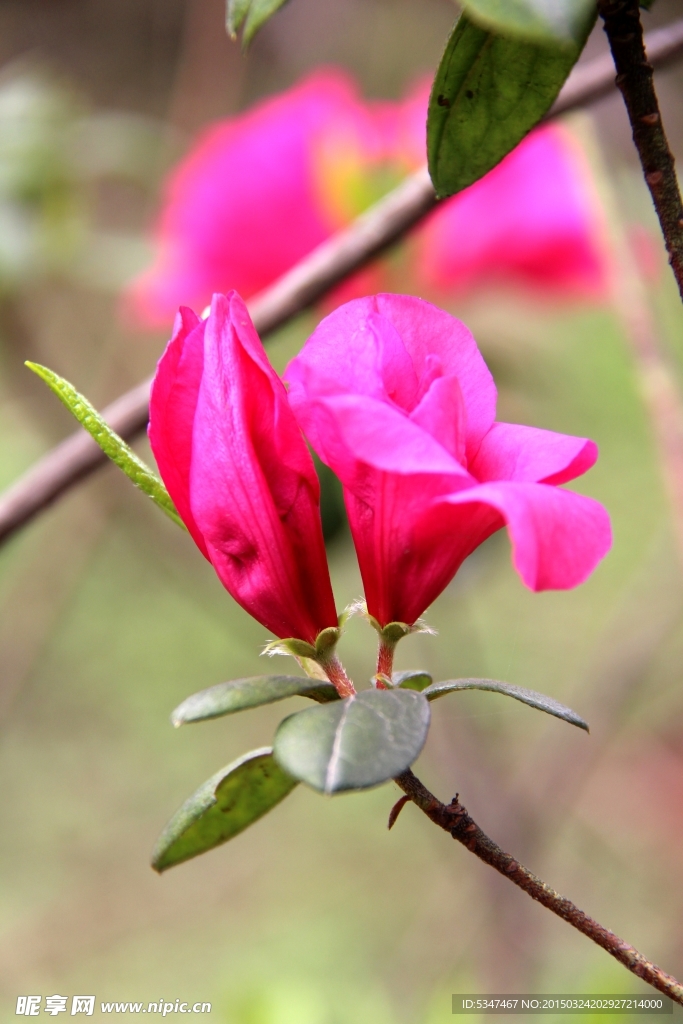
(355, 743)
(259, 13)
(489, 92)
(411, 680)
(222, 807)
(110, 442)
(240, 694)
(250, 13)
(539, 20)
(235, 13)
(530, 697)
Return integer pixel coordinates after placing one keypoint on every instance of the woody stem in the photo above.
(454, 818)
(635, 80)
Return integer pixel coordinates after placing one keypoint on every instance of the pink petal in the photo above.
(340, 356)
(441, 412)
(353, 429)
(533, 219)
(249, 200)
(558, 537)
(173, 402)
(514, 452)
(258, 514)
(409, 544)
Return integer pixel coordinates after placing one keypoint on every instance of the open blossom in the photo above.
(233, 459)
(259, 191)
(532, 221)
(256, 193)
(395, 397)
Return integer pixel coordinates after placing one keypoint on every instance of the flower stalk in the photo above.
(336, 673)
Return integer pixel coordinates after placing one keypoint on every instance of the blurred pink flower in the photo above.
(531, 221)
(233, 459)
(257, 192)
(394, 396)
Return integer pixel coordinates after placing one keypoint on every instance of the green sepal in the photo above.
(490, 90)
(325, 642)
(562, 21)
(531, 697)
(252, 692)
(297, 648)
(356, 743)
(412, 680)
(395, 631)
(250, 13)
(226, 804)
(111, 444)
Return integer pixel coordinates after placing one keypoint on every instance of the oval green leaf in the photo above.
(411, 680)
(355, 743)
(561, 20)
(489, 92)
(251, 692)
(222, 807)
(530, 697)
(109, 441)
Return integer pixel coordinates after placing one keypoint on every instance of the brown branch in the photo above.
(382, 225)
(635, 81)
(454, 818)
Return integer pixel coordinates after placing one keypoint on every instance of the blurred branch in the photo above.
(635, 80)
(454, 818)
(377, 229)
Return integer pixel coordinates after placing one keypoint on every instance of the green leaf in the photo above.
(489, 92)
(240, 694)
(250, 13)
(560, 20)
(110, 442)
(411, 680)
(224, 806)
(235, 13)
(530, 697)
(355, 743)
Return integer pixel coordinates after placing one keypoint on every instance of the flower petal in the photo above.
(336, 358)
(533, 219)
(172, 406)
(350, 430)
(258, 513)
(514, 452)
(558, 537)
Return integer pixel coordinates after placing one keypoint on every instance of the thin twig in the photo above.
(635, 81)
(382, 225)
(454, 818)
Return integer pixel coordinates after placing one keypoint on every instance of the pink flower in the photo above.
(259, 191)
(532, 221)
(395, 397)
(233, 459)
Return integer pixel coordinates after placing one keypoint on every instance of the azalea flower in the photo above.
(233, 459)
(394, 396)
(259, 191)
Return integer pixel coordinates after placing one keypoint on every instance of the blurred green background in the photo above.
(109, 616)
